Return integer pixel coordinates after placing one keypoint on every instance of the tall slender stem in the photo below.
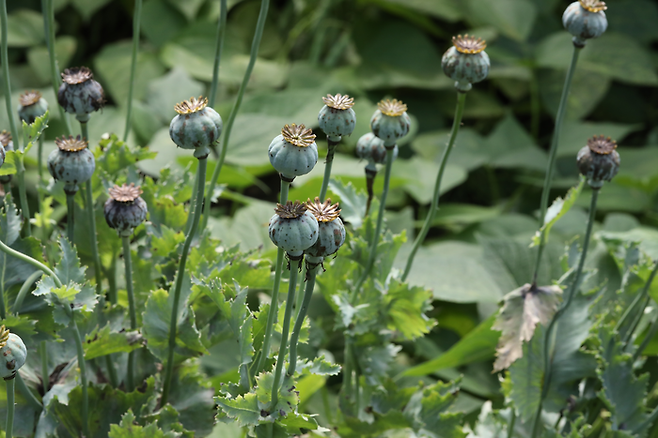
(27, 259)
(653, 329)
(272, 315)
(49, 27)
(569, 293)
(92, 235)
(137, 16)
(643, 294)
(459, 112)
(559, 118)
(329, 161)
(22, 194)
(29, 395)
(22, 293)
(10, 407)
(219, 46)
(255, 45)
(169, 367)
(70, 216)
(308, 294)
(45, 375)
(111, 372)
(83, 373)
(285, 331)
(512, 422)
(127, 259)
(40, 159)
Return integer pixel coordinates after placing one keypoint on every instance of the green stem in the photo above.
(112, 373)
(45, 375)
(40, 159)
(285, 331)
(27, 259)
(25, 207)
(49, 27)
(378, 228)
(137, 16)
(331, 150)
(83, 372)
(653, 329)
(294, 339)
(258, 34)
(127, 259)
(4, 59)
(10, 403)
(219, 45)
(569, 293)
(203, 164)
(111, 275)
(347, 368)
(299, 297)
(561, 112)
(70, 216)
(643, 294)
(22, 293)
(92, 236)
(193, 199)
(512, 422)
(459, 112)
(29, 395)
(272, 314)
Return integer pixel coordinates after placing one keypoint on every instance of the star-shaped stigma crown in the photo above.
(5, 137)
(291, 210)
(339, 101)
(392, 108)
(29, 98)
(593, 5)
(77, 75)
(469, 45)
(298, 135)
(323, 211)
(4, 336)
(192, 105)
(601, 144)
(71, 144)
(125, 193)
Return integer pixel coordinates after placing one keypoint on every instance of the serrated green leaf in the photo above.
(352, 203)
(165, 245)
(129, 429)
(68, 269)
(9, 167)
(244, 408)
(318, 366)
(427, 411)
(32, 132)
(559, 208)
(288, 396)
(101, 342)
(406, 306)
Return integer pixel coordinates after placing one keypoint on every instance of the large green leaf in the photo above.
(558, 208)
(101, 342)
(513, 18)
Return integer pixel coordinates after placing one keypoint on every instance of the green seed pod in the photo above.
(12, 354)
(337, 118)
(466, 62)
(598, 161)
(125, 209)
(293, 152)
(79, 93)
(585, 19)
(31, 105)
(293, 228)
(72, 162)
(331, 231)
(390, 122)
(371, 148)
(197, 126)
(6, 145)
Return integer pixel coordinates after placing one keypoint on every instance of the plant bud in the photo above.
(598, 161)
(585, 19)
(337, 118)
(31, 105)
(293, 228)
(72, 162)
(371, 148)
(331, 231)
(197, 126)
(5, 145)
(12, 354)
(293, 152)
(390, 122)
(79, 93)
(125, 209)
(466, 62)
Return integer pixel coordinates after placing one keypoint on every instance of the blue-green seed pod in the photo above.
(390, 122)
(331, 231)
(466, 62)
(293, 228)
(371, 148)
(72, 162)
(12, 353)
(6, 145)
(125, 210)
(598, 161)
(585, 19)
(79, 93)
(197, 126)
(293, 152)
(337, 118)
(31, 105)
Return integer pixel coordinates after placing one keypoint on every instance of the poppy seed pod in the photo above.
(79, 93)
(337, 118)
(371, 148)
(72, 162)
(6, 145)
(585, 19)
(293, 152)
(331, 231)
(598, 161)
(31, 105)
(390, 122)
(466, 62)
(197, 126)
(125, 209)
(293, 228)
(12, 353)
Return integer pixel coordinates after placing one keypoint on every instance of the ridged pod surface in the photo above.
(371, 148)
(466, 62)
(293, 228)
(390, 122)
(598, 161)
(294, 152)
(72, 162)
(125, 210)
(31, 105)
(337, 118)
(13, 354)
(585, 19)
(79, 93)
(197, 126)
(331, 231)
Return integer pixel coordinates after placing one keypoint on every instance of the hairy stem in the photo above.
(10, 408)
(331, 150)
(127, 259)
(92, 235)
(70, 216)
(83, 373)
(294, 339)
(137, 16)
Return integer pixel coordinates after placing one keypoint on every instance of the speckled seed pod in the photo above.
(293, 228)
(293, 152)
(125, 209)
(337, 118)
(6, 145)
(371, 148)
(72, 162)
(466, 62)
(79, 93)
(197, 126)
(31, 105)
(12, 354)
(331, 231)
(390, 122)
(585, 19)
(598, 161)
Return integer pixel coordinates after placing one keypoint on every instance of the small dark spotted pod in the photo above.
(598, 161)
(79, 93)
(197, 126)
(72, 162)
(331, 231)
(293, 152)
(12, 354)
(31, 105)
(293, 228)
(390, 122)
(466, 62)
(125, 210)
(585, 19)
(371, 148)
(337, 118)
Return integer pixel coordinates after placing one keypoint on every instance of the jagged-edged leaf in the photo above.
(559, 208)
(166, 243)
(10, 166)
(288, 397)
(32, 132)
(191, 398)
(406, 306)
(490, 424)
(129, 429)
(375, 361)
(352, 203)
(522, 310)
(101, 342)
(244, 408)
(428, 414)
(117, 157)
(318, 366)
